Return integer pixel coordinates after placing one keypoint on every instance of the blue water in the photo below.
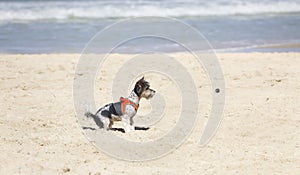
(64, 26)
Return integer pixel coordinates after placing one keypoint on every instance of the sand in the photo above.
(259, 134)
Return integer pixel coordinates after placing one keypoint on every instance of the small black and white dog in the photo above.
(124, 110)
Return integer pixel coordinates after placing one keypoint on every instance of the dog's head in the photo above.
(142, 89)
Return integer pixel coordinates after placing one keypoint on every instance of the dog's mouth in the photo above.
(149, 93)
(152, 93)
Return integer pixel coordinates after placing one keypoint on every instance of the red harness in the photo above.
(126, 101)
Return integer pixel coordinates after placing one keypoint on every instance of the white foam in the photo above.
(39, 10)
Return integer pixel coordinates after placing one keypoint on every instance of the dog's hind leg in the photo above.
(105, 121)
(111, 122)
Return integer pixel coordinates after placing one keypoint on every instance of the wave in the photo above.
(63, 9)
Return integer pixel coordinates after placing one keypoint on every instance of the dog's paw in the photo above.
(129, 129)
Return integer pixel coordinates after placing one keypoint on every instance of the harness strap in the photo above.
(126, 101)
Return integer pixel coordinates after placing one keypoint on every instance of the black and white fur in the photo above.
(108, 114)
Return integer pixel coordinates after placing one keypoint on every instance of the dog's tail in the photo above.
(89, 114)
(95, 118)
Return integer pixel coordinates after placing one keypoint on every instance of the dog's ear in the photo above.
(142, 79)
(138, 89)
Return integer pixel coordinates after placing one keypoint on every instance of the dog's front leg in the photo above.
(131, 121)
(127, 123)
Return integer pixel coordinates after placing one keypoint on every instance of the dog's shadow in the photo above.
(100, 124)
(135, 128)
(141, 128)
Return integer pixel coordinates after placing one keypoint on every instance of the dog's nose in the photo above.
(154, 91)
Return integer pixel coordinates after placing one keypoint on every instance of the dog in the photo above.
(123, 110)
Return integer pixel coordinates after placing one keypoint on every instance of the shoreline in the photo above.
(252, 50)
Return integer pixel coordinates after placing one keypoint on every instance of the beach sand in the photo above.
(259, 133)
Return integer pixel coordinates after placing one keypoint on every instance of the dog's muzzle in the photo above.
(152, 93)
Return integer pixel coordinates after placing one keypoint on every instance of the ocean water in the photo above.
(66, 26)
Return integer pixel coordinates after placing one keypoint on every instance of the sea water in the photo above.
(66, 26)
